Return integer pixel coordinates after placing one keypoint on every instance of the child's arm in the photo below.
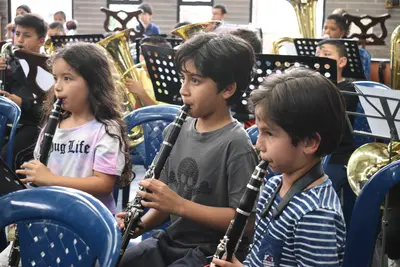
(165, 200)
(319, 239)
(137, 88)
(39, 174)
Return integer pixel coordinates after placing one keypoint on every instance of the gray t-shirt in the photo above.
(211, 169)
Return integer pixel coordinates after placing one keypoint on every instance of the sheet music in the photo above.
(379, 126)
(44, 79)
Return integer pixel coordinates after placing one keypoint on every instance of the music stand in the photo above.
(61, 41)
(163, 74)
(353, 68)
(267, 64)
(174, 41)
(9, 181)
(381, 109)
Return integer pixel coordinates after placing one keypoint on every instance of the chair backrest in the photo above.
(361, 123)
(252, 132)
(9, 113)
(61, 227)
(366, 62)
(153, 119)
(366, 215)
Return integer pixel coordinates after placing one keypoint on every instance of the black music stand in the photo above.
(163, 74)
(381, 109)
(353, 69)
(61, 41)
(9, 181)
(267, 64)
(174, 41)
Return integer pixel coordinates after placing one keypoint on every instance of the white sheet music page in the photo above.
(379, 126)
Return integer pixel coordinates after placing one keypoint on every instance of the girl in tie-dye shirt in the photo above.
(90, 141)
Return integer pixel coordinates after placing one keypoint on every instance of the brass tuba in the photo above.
(118, 52)
(367, 160)
(395, 59)
(186, 31)
(306, 18)
(49, 47)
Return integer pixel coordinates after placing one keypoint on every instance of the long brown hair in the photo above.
(89, 61)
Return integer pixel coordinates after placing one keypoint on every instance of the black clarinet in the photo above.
(45, 146)
(232, 238)
(135, 209)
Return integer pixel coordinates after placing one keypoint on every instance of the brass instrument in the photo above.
(306, 18)
(186, 31)
(394, 59)
(118, 52)
(49, 47)
(367, 160)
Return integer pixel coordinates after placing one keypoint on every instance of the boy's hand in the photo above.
(221, 263)
(162, 198)
(16, 99)
(121, 224)
(135, 87)
(3, 63)
(37, 173)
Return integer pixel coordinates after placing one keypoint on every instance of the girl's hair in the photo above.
(90, 61)
(341, 22)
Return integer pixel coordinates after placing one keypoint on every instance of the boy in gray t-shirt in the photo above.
(210, 164)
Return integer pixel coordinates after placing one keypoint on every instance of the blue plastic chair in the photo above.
(253, 134)
(153, 119)
(365, 57)
(51, 235)
(9, 113)
(362, 233)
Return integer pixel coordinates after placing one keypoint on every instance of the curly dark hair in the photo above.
(103, 95)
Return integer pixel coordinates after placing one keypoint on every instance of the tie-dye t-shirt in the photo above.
(77, 152)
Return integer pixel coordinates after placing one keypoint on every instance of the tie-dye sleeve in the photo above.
(108, 157)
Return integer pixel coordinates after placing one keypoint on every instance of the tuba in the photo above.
(367, 160)
(49, 47)
(186, 31)
(395, 59)
(306, 18)
(118, 52)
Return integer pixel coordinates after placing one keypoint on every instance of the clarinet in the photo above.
(45, 146)
(232, 238)
(135, 209)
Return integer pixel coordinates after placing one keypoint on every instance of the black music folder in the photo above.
(9, 181)
(354, 68)
(163, 73)
(61, 41)
(267, 64)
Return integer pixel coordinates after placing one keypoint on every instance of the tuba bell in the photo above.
(118, 52)
(306, 18)
(186, 31)
(367, 160)
(394, 59)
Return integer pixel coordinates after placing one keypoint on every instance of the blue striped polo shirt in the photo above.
(309, 232)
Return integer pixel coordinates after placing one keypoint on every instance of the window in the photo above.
(45, 8)
(194, 10)
(277, 18)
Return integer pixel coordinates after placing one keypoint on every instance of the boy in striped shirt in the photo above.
(301, 117)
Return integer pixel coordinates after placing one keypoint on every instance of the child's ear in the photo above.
(311, 145)
(42, 40)
(342, 62)
(229, 90)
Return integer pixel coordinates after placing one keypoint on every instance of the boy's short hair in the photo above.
(62, 13)
(146, 8)
(224, 58)
(26, 8)
(30, 20)
(303, 103)
(157, 40)
(223, 9)
(56, 25)
(340, 21)
(340, 47)
(250, 37)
